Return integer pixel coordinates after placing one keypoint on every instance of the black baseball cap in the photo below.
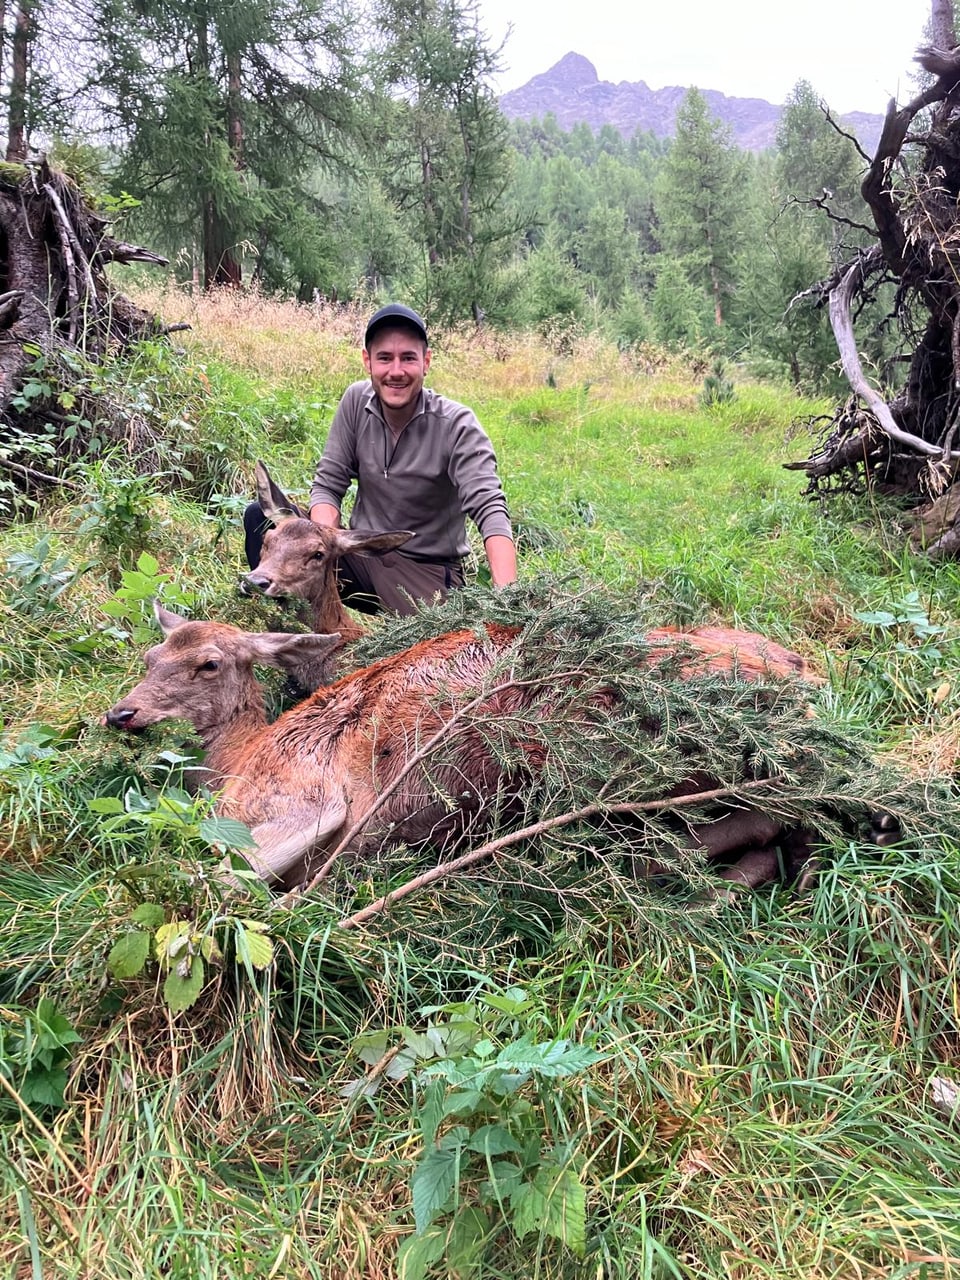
(395, 312)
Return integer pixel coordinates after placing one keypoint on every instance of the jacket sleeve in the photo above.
(338, 462)
(473, 471)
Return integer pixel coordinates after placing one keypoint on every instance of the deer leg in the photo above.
(283, 842)
(802, 864)
(742, 828)
(885, 830)
(757, 867)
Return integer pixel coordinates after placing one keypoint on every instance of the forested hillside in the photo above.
(302, 150)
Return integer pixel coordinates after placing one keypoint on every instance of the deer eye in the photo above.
(212, 665)
(319, 555)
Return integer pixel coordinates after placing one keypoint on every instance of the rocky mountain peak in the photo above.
(572, 91)
(573, 71)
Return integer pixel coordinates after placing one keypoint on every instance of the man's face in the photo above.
(397, 362)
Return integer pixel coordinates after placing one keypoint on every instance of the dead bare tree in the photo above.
(908, 443)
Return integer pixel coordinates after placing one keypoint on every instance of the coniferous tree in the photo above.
(445, 159)
(805, 219)
(23, 36)
(700, 201)
(222, 110)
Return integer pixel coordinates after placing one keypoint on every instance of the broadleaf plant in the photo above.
(494, 1155)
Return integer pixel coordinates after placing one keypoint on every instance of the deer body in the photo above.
(304, 782)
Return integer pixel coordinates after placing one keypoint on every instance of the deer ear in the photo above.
(274, 503)
(357, 543)
(168, 621)
(290, 650)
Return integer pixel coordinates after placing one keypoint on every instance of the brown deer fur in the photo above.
(300, 558)
(301, 783)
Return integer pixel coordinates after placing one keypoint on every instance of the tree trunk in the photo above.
(54, 295)
(909, 444)
(234, 110)
(17, 112)
(220, 267)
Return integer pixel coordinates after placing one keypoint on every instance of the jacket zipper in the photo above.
(386, 460)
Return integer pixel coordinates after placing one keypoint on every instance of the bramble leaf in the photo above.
(129, 954)
(227, 833)
(182, 990)
(418, 1253)
(555, 1203)
(492, 1140)
(432, 1185)
(105, 804)
(149, 914)
(465, 1240)
(555, 1058)
(253, 948)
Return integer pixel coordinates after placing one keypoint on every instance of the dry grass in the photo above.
(301, 344)
(280, 342)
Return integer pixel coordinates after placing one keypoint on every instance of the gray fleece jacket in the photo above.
(440, 469)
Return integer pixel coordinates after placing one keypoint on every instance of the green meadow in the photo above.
(486, 1082)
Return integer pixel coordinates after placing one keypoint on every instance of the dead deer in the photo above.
(300, 558)
(325, 767)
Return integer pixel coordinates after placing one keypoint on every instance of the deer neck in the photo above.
(329, 614)
(226, 744)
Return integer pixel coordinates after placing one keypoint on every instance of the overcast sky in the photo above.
(856, 53)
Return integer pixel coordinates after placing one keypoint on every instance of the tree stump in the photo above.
(54, 294)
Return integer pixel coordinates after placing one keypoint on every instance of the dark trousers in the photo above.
(371, 584)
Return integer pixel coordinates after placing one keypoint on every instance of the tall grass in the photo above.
(768, 1099)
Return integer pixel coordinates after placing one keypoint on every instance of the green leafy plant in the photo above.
(496, 1150)
(908, 670)
(908, 616)
(35, 1051)
(171, 933)
(39, 381)
(132, 602)
(118, 518)
(24, 454)
(183, 948)
(38, 578)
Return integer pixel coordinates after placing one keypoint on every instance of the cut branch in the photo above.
(444, 869)
(443, 734)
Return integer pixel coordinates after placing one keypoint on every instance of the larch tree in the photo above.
(222, 110)
(700, 201)
(807, 212)
(444, 158)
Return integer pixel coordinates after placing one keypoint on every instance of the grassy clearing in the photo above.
(749, 1091)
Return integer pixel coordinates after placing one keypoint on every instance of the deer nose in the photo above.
(120, 717)
(260, 581)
